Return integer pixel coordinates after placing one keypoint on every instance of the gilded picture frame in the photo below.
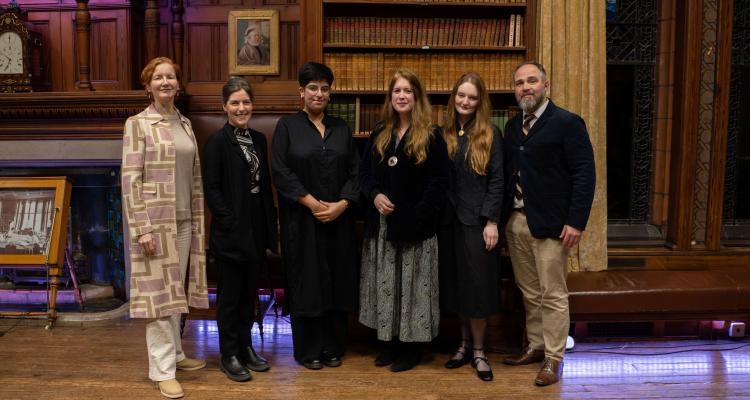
(253, 42)
(33, 220)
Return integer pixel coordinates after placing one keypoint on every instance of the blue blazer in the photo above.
(556, 164)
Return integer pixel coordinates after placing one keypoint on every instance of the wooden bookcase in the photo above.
(365, 41)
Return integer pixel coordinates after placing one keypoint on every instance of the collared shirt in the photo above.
(538, 113)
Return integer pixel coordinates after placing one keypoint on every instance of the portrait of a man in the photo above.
(254, 49)
(253, 42)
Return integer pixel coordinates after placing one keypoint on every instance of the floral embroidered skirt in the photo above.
(399, 294)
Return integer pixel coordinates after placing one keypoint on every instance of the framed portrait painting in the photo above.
(253, 42)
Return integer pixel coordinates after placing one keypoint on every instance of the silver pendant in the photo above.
(392, 161)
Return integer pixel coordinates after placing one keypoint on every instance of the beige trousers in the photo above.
(540, 268)
(163, 334)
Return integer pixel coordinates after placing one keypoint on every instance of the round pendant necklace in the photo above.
(461, 132)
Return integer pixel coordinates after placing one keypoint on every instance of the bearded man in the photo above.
(550, 179)
(254, 51)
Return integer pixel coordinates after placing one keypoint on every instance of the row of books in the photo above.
(362, 118)
(425, 32)
(437, 71)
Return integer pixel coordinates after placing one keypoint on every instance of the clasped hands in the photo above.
(324, 211)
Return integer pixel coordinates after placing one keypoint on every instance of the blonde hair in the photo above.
(421, 119)
(480, 139)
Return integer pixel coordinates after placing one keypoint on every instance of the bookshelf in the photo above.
(365, 41)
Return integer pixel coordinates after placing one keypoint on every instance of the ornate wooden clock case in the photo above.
(16, 41)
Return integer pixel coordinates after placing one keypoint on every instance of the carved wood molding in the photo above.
(70, 115)
(71, 105)
(101, 115)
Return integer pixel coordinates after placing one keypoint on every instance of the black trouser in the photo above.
(235, 305)
(312, 336)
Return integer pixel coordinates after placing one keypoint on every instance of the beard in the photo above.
(530, 105)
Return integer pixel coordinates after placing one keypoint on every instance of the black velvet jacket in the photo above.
(417, 191)
(226, 183)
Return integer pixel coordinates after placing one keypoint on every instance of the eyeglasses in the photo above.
(315, 88)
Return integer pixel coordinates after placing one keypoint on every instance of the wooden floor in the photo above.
(109, 362)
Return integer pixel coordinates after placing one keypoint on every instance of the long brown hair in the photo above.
(481, 133)
(421, 119)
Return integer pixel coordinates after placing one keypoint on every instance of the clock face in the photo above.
(11, 53)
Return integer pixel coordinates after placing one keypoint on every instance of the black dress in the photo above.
(319, 259)
(469, 273)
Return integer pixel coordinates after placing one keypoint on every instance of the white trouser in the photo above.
(163, 334)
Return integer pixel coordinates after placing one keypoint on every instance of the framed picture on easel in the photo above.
(33, 226)
(33, 219)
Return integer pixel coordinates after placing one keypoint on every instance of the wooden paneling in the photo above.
(204, 52)
(289, 35)
(104, 58)
(48, 25)
(110, 66)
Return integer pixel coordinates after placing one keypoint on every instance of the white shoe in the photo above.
(570, 343)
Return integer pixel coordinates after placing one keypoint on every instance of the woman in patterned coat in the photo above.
(163, 206)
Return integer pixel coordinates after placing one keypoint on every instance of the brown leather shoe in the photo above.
(550, 372)
(530, 356)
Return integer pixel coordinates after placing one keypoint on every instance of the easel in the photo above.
(53, 258)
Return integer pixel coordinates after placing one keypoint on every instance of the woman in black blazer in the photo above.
(237, 186)
(468, 243)
(403, 175)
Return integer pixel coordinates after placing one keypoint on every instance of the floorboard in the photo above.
(108, 361)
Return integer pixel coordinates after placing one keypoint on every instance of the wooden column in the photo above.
(571, 44)
(83, 31)
(717, 169)
(311, 29)
(178, 30)
(689, 23)
(151, 29)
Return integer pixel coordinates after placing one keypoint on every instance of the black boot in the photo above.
(408, 358)
(234, 370)
(388, 353)
(253, 361)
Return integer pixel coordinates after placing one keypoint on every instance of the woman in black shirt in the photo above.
(315, 164)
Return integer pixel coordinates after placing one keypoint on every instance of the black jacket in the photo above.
(556, 164)
(226, 183)
(417, 191)
(477, 198)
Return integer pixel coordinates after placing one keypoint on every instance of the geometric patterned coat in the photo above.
(148, 197)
